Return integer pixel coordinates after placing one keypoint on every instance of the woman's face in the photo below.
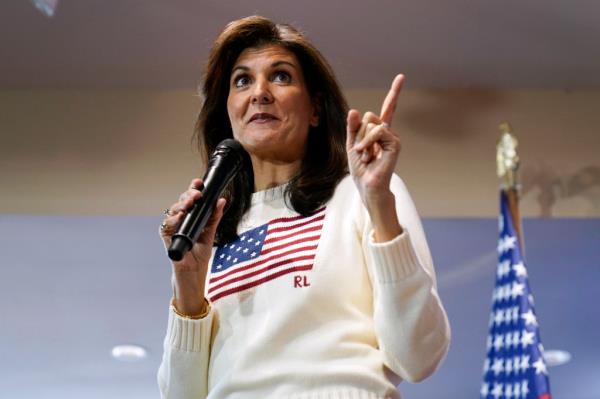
(269, 107)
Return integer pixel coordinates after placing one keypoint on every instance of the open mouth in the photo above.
(262, 117)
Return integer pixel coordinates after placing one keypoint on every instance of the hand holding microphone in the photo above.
(188, 231)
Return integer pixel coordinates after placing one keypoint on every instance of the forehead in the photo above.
(269, 54)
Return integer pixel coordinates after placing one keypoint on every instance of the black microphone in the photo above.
(223, 165)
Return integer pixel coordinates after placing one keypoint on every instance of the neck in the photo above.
(269, 174)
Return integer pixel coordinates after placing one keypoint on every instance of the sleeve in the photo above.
(183, 372)
(411, 325)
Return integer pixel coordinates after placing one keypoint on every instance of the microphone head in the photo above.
(233, 151)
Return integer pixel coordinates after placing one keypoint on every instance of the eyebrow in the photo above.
(273, 65)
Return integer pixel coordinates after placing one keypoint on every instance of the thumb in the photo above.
(352, 126)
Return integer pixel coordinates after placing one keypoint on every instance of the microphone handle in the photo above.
(215, 180)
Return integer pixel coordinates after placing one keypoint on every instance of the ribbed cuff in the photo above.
(395, 259)
(189, 334)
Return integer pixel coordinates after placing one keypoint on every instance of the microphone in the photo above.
(223, 165)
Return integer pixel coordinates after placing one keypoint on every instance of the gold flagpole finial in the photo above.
(507, 160)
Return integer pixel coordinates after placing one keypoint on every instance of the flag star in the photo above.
(506, 243)
(509, 242)
(232, 246)
(257, 243)
(243, 238)
(261, 232)
(515, 316)
(530, 297)
(517, 389)
(516, 339)
(486, 365)
(524, 388)
(504, 292)
(485, 389)
(517, 290)
(245, 250)
(228, 257)
(222, 256)
(219, 266)
(503, 268)
(253, 254)
(540, 366)
(488, 342)
(529, 318)
(498, 342)
(499, 317)
(516, 364)
(497, 391)
(508, 391)
(508, 340)
(520, 270)
(524, 363)
(235, 260)
(498, 365)
(250, 239)
(527, 338)
(508, 366)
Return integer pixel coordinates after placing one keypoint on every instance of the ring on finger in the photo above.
(167, 212)
(163, 226)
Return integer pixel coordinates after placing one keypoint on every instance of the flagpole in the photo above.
(507, 162)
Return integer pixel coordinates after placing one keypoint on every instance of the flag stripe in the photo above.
(259, 271)
(295, 226)
(258, 263)
(293, 218)
(288, 244)
(293, 234)
(257, 282)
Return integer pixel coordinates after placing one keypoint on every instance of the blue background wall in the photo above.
(72, 287)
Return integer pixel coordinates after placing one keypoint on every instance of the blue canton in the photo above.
(246, 247)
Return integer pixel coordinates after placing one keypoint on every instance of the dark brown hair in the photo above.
(324, 163)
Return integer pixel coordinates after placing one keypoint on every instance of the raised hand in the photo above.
(373, 148)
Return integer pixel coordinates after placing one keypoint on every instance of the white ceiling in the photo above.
(158, 44)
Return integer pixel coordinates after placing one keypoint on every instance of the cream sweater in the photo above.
(311, 308)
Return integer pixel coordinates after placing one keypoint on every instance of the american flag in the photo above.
(514, 367)
(281, 246)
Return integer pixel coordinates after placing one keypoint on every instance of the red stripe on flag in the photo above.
(260, 262)
(288, 244)
(259, 271)
(295, 226)
(295, 233)
(292, 218)
(257, 282)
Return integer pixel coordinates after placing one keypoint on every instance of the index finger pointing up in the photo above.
(389, 104)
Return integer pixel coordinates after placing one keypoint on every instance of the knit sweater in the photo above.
(311, 307)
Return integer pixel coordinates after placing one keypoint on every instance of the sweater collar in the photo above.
(270, 194)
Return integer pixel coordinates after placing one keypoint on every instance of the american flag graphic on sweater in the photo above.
(276, 248)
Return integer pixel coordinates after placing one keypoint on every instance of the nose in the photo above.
(261, 93)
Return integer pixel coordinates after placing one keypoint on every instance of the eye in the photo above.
(282, 77)
(241, 81)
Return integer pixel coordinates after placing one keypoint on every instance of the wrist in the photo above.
(382, 212)
(187, 311)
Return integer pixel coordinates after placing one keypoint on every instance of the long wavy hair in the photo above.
(324, 163)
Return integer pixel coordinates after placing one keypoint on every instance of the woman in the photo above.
(320, 283)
